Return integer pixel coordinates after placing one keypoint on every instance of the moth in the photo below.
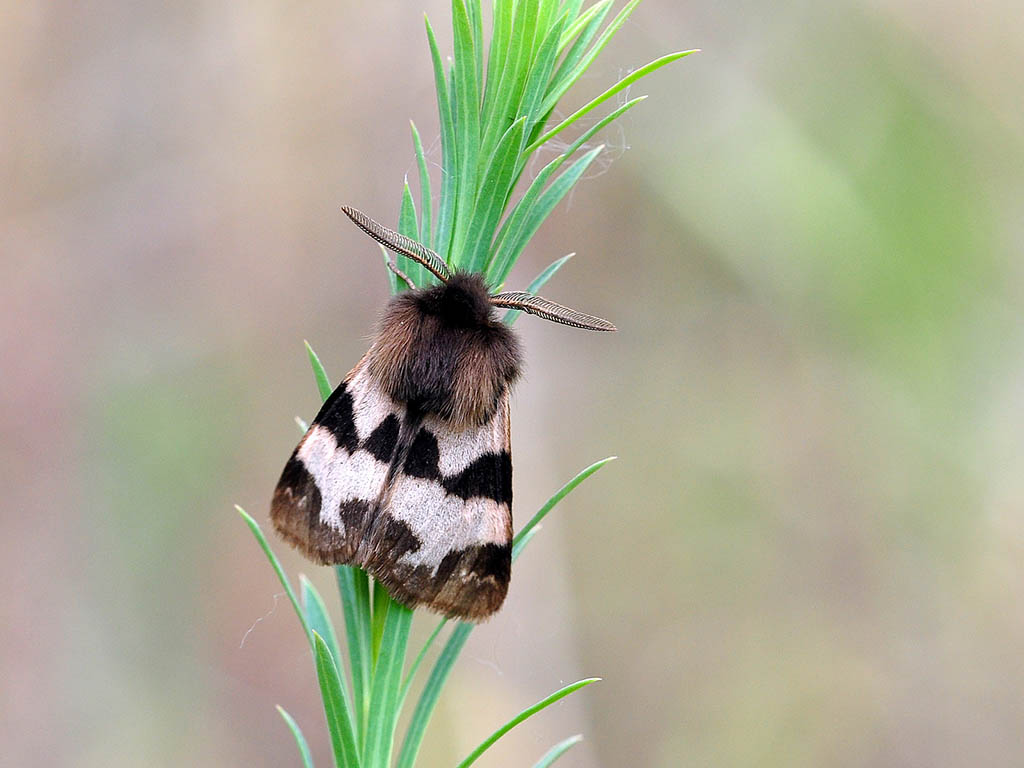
(406, 471)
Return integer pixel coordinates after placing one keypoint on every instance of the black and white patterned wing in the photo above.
(443, 536)
(326, 499)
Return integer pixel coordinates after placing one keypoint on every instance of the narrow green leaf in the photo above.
(540, 280)
(323, 383)
(540, 73)
(577, 21)
(526, 713)
(505, 108)
(557, 751)
(316, 615)
(449, 155)
(354, 588)
(426, 195)
(619, 86)
(430, 694)
(467, 127)
(339, 717)
(594, 17)
(276, 564)
(476, 18)
(584, 29)
(562, 85)
(547, 12)
(519, 541)
(524, 35)
(537, 284)
(501, 31)
(494, 192)
(572, 7)
(407, 226)
(535, 215)
(302, 425)
(300, 740)
(526, 539)
(381, 605)
(407, 216)
(385, 698)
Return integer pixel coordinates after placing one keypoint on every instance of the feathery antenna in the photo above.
(549, 310)
(400, 244)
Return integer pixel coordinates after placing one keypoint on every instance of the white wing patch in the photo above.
(445, 523)
(457, 450)
(370, 406)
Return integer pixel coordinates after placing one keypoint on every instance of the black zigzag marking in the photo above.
(381, 442)
(489, 476)
(336, 415)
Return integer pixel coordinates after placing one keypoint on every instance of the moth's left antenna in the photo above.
(400, 244)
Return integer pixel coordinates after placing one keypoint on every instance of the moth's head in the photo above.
(462, 302)
(462, 299)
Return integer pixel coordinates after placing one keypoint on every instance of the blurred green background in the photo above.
(810, 550)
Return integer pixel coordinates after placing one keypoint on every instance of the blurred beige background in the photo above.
(810, 550)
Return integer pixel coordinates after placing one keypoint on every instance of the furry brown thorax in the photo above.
(442, 350)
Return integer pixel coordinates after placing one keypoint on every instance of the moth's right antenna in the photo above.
(400, 244)
(549, 310)
(400, 274)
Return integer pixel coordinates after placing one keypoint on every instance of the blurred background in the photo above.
(811, 549)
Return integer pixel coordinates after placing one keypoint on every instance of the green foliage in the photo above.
(316, 615)
(493, 113)
(493, 119)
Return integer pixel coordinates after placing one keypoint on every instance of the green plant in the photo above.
(494, 114)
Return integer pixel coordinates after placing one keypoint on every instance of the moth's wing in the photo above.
(443, 537)
(327, 497)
